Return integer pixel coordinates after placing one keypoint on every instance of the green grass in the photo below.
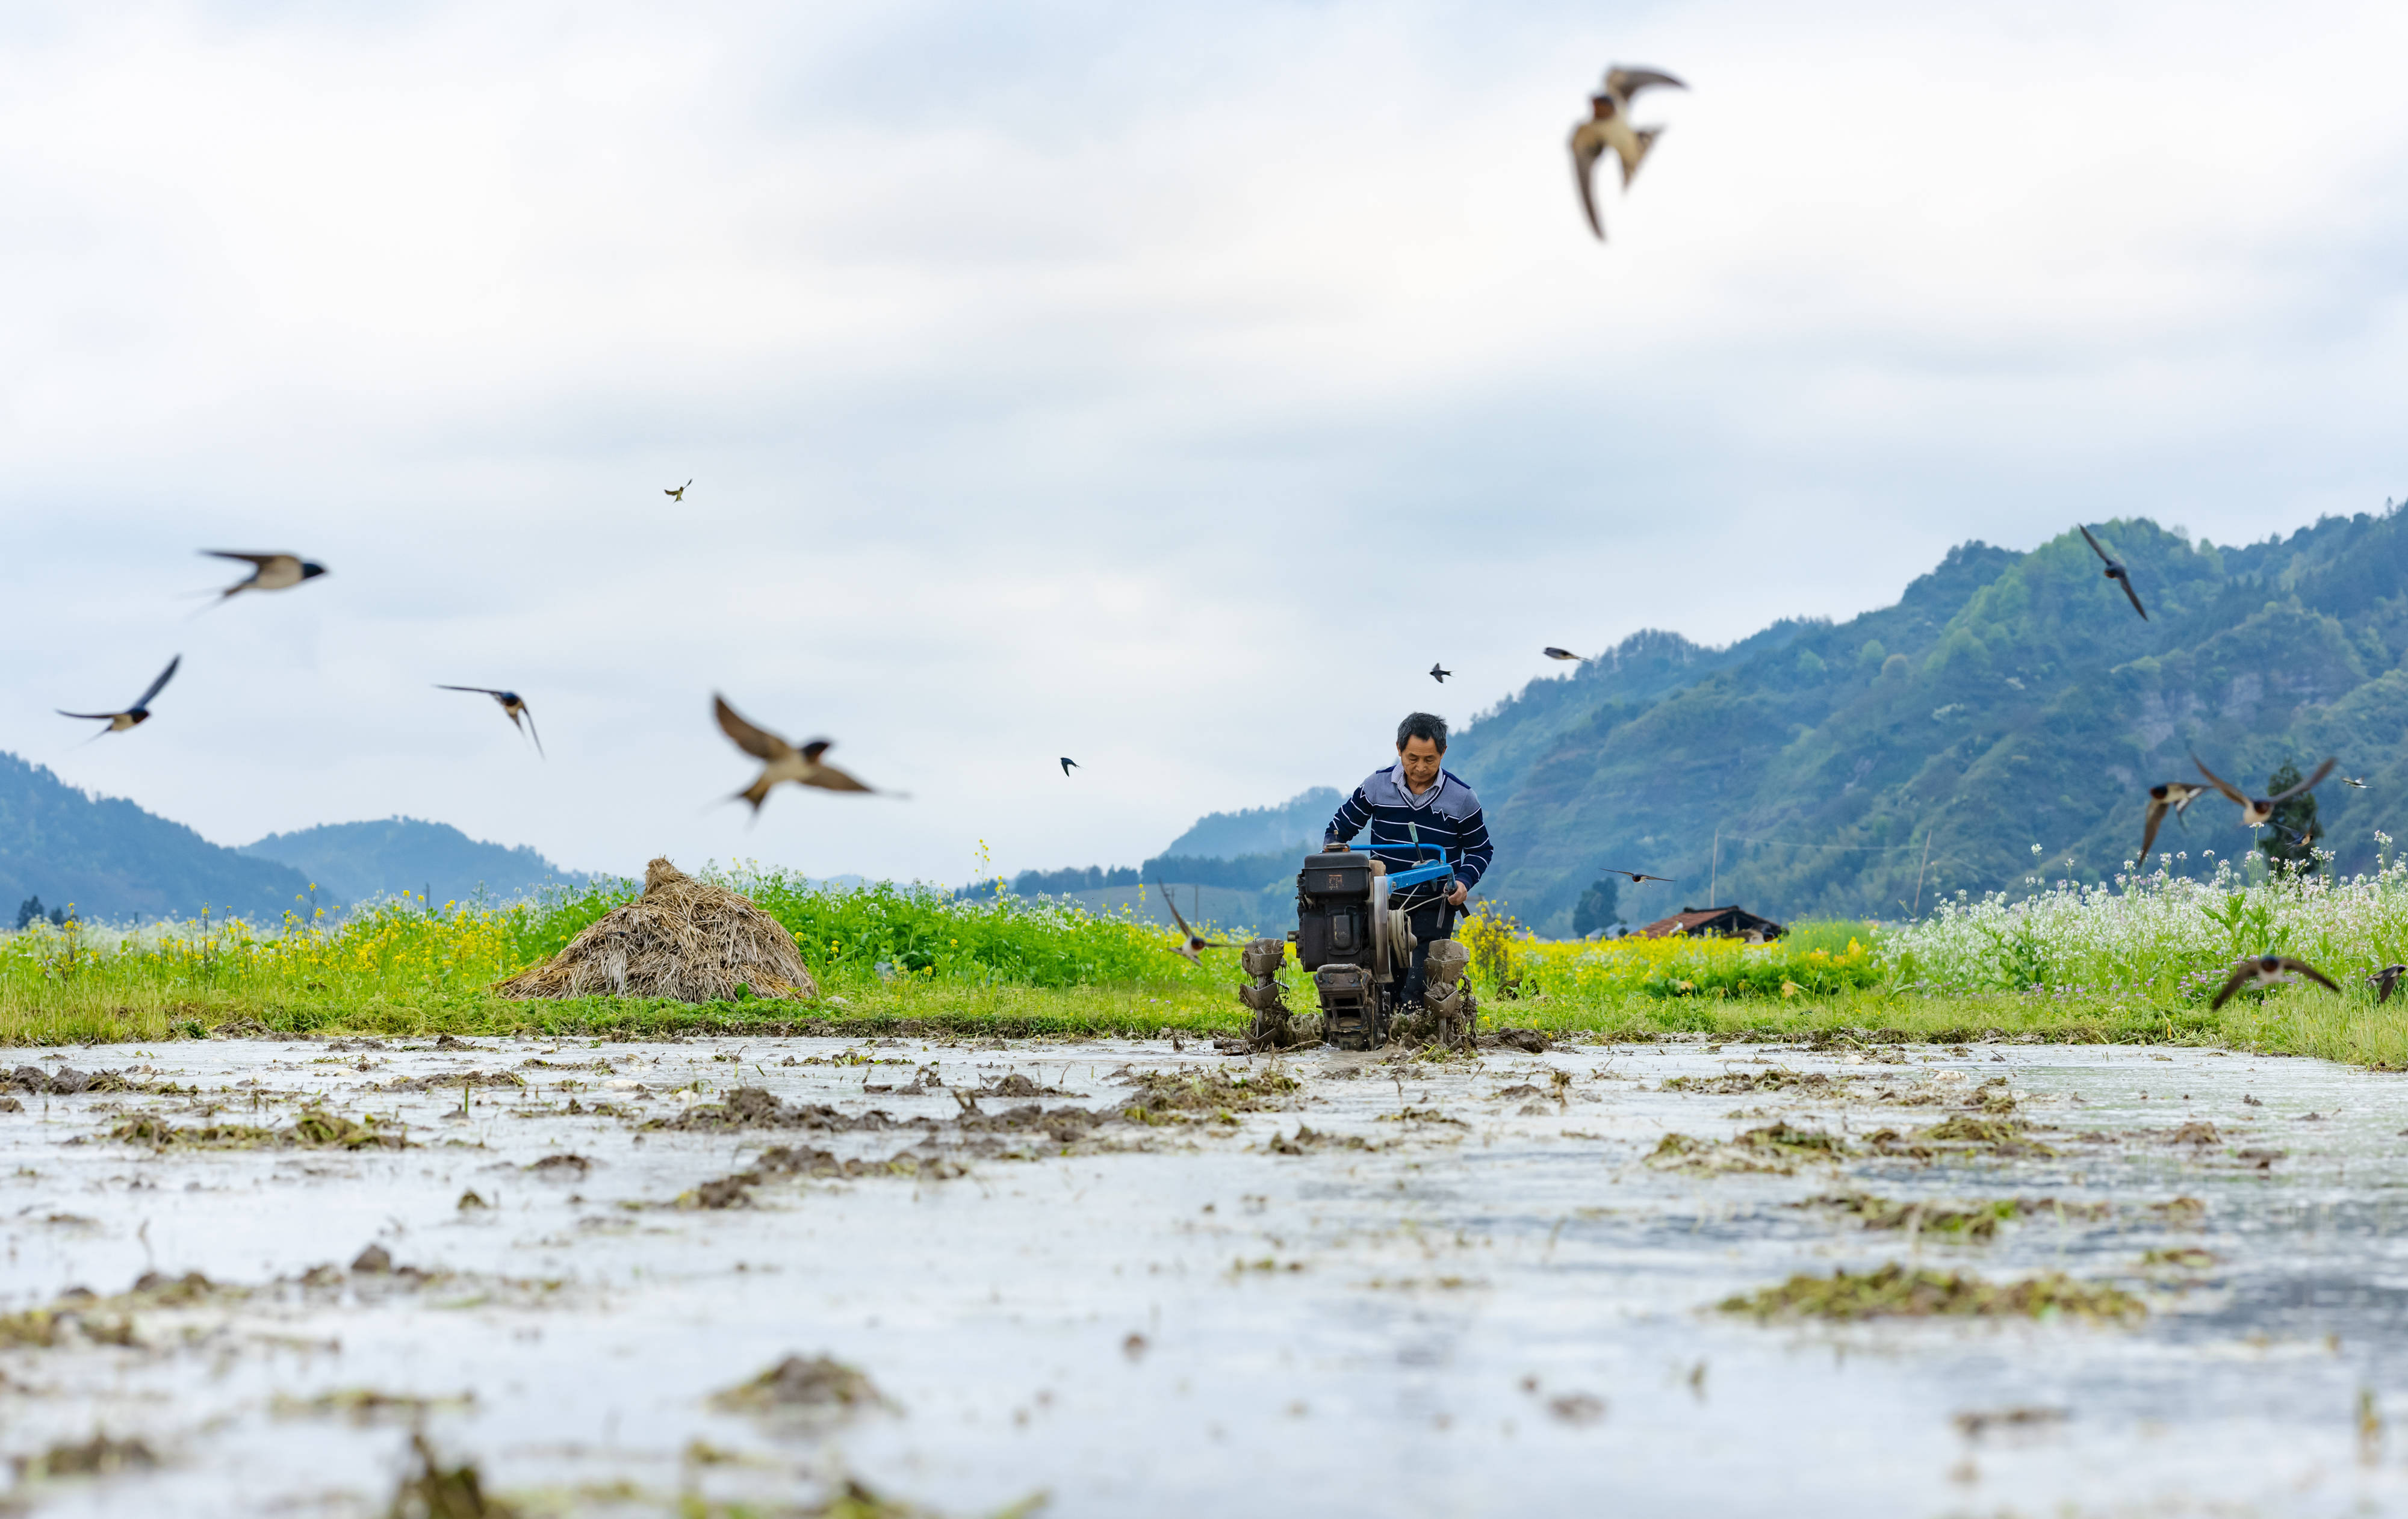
(1012, 966)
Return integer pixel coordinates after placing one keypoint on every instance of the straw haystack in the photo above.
(682, 939)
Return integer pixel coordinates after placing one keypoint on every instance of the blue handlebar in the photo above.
(1420, 873)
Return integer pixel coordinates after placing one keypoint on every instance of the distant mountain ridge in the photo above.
(362, 861)
(1259, 830)
(116, 862)
(2006, 700)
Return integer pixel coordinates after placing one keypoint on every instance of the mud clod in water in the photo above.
(798, 1385)
(374, 1261)
(1895, 1291)
(1173, 1095)
(435, 1491)
(316, 1128)
(1976, 1221)
(99, 1457)
(1778, 1148)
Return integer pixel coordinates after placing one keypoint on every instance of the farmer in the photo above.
(1414, 807)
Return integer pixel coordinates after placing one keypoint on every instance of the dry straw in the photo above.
(682, 939)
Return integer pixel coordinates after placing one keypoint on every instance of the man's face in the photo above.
(1421, 758)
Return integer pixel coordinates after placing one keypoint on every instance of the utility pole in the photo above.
(1918, 872)
(1714, 870)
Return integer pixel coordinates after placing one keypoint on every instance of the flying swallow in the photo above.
(269, 571)
(783, 761)
(139, 712)
(1635, 876)
(2386, 981)
(1438, 675)
(2174, 796)
(2255, 810)
(2352, 781)
(513, 705)
(1608, 128)
(1066, 763)
(1193, 941)
(2268, 970)
(1554, 653)
(678, 494)
(2117, 573)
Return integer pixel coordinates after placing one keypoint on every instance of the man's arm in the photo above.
(1473, 836)
(1348, 821)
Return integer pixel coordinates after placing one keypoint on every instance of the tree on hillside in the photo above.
(1599, 905)
(28, 911)
(2292, 832)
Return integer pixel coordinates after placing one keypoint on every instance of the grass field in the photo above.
(2131, 963)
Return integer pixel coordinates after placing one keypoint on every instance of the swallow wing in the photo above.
(2157, 818)
(1626, 83)
(758, 742)
(2301, 968)
(2244, 973)
(257, 561)
(2093, 542)
(2219, 782)
(1587, 148)
(1667, 880)
(829, 777)
(2322, 771)
(2125, 581)
(156, 686)
(1170, 902)
(531, 733)
(103, 717)
(2386, 981)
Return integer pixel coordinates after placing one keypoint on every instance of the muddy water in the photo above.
(1468, 1291)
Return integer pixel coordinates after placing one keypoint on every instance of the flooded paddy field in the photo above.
(246, 1277)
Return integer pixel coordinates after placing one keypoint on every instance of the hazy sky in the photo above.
(1161, 386)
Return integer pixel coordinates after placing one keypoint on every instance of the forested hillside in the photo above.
(115, 863)
(393, 855)
(2007, 700)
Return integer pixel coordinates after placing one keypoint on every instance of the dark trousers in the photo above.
(1431, 921)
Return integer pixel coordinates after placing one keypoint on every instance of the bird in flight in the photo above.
(1608, 128)
(2116, 572)
(783, 761)
(1438, 675)
(1066, 763)
(678, 494)
(269, 571)
(2352, 781)
(139, 712)
(2268, 970)
(1193, 941)
(1554, 653)
(2255, 810)
(1635, 876)
(2386, 981)
(513, 705)
(2174, 796)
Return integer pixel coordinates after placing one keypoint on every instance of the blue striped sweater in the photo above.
(1401, 830)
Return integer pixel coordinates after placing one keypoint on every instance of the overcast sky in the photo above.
(1161, 386)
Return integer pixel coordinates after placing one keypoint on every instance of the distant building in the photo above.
(1714, 922)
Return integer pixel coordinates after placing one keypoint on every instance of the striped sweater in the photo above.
(1403, 826)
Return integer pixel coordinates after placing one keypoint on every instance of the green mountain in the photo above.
(362, 860)
(1225, 835)
(115, 863)
(2007, 700)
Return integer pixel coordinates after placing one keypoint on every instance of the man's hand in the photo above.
(1454, 897)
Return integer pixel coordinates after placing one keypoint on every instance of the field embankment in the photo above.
(2137, 962)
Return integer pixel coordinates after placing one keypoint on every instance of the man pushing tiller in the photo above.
(1376, 927)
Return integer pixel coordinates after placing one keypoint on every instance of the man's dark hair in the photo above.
(1422, 725)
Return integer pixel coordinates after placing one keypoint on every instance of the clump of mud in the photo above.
(65, 1082)
(754, 1107)
(1777, 1148)
(316, 1128)
(1809, 1084)
(1895, 1291)
(1977, 1221)
(1170, 1097)
(435, 1491)
(1964, 1133)
(817, 1384)
(736, 1191)
(682, 939)
(99, 1457)
(1307, 1140)
(367, 1406)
